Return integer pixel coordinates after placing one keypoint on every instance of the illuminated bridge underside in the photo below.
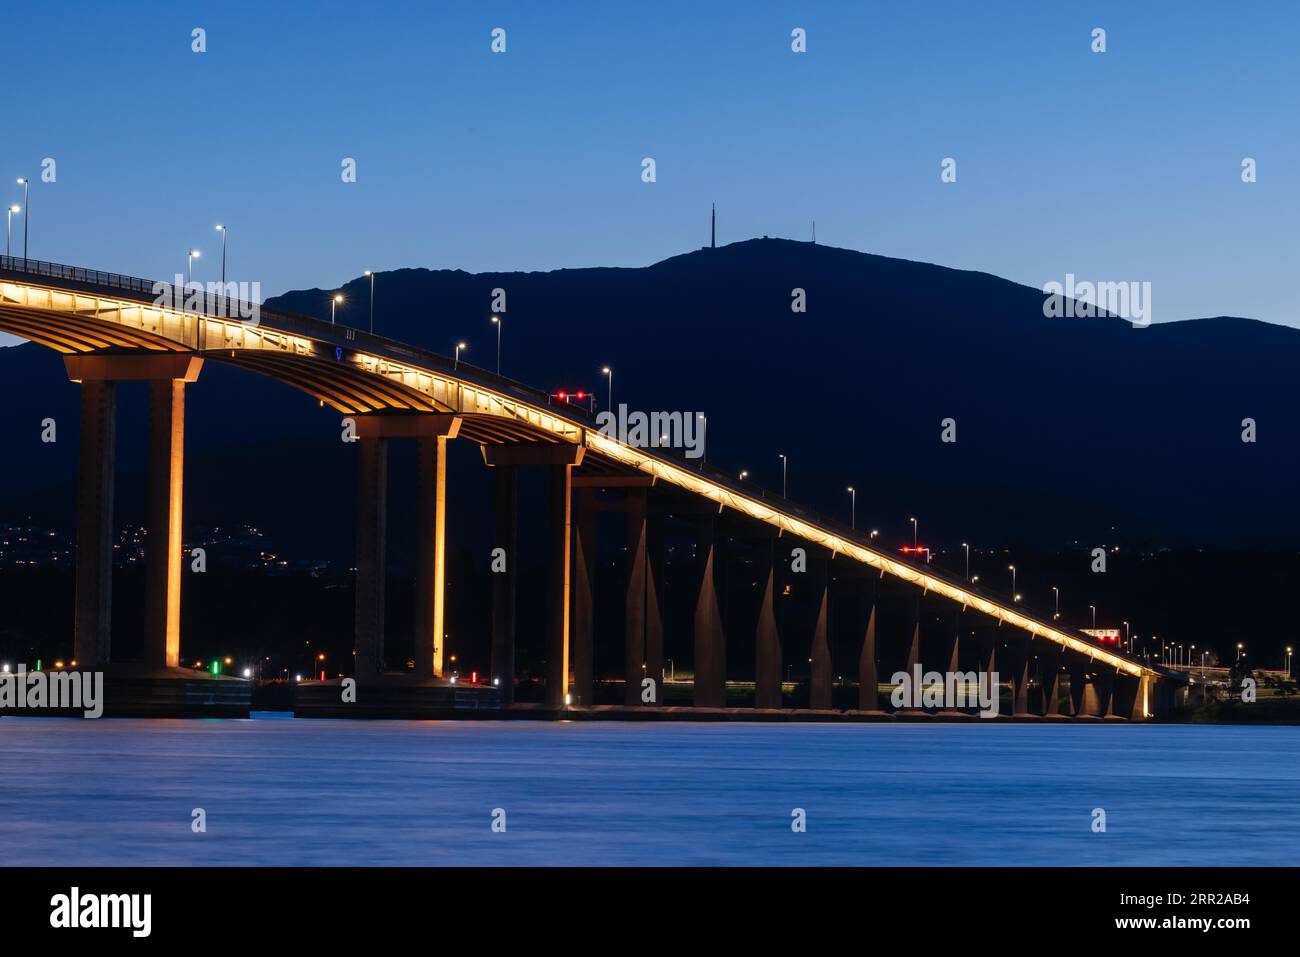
(323, 360)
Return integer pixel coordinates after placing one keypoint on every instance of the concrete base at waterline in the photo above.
(137, 691)
(397, 697)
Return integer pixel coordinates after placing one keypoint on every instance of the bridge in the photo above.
(112, 328)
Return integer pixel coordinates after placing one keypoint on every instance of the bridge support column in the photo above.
(166, 482)
(821, 679)
(557, 605)
(634, 631)
(372, 528)
(430, 556)
(767, 648)
(869, 668)
(166, 374)
(710, 650)
(93, 610)
(654, 621)
(584, 603)
(505, 535)
(559, 461)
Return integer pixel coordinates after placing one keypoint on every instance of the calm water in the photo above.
(280, 791)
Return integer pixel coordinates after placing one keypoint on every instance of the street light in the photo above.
(1127, 641)
(23, 182)
(609, 373)
(225, 234)
(192, 255)
(334, 301)
(1094, 615)
(372, 300)
(1288, 662)
(967, 547)
(913, 521)
(496, 320)
(1057, 614)
(783, 473)
(15, 208)
(1012, 569)
(742, 475)
(853, 508)
(459, 346)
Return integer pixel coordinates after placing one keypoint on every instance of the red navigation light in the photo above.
(561, 396)
(581, 395)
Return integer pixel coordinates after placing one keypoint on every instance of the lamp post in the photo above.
(608, 373)
(1127, 641)
(372, 300)
(913, 521)
(9, 238)
(1288, 662)
(743, 475)
(496, 320)
(853, 508)
(225, 234)
(967, 547)
(192, 255)
(1012, 569)
(334, 301)
(1057, 613)
(26, 185)
(1094, 616)
(784, 463)
(459, 346)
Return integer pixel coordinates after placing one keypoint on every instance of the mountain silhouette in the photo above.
(1087, 430)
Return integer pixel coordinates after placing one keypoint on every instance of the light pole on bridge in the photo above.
(496, 321)
(334, 301)
(608, 373)
(967, 547)
(784, 463)
(15, 208)
(1012, 569)
(192, 255)
(372, 300)
(26, 185)
(853, 508)
(225, 235)
(459, 346)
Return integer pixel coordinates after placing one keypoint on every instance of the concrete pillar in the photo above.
(767, 649)
(1142, 700)
(557, 599)
(584, 609)
(1049, 669)
(654, 621)
(430, 555)
(93, 610)
(505, 535)
(821, 682)
(1079, 702)
(634, 607)
(372, 528)
(868, 669)
(710, 653)
(162, 626)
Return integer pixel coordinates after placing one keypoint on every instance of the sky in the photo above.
(1117, 166)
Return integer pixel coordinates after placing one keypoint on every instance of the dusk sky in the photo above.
(1117, 166)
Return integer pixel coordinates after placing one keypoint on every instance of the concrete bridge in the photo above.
(113, 328)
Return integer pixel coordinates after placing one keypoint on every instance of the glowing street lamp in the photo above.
(853, 508)
(743, 475)
(15, 208)
(913, 521)
(225, 234)
(459, 346)
(334, 301)
(1012, 569)
(372, 299)
(496, 320)
(609, 373)
(192, 255)
(967, 547)
(784, 463)
(1094, 615)
(1057, 614)
(26, 185)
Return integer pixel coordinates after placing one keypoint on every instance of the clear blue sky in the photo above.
(1115, 166)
